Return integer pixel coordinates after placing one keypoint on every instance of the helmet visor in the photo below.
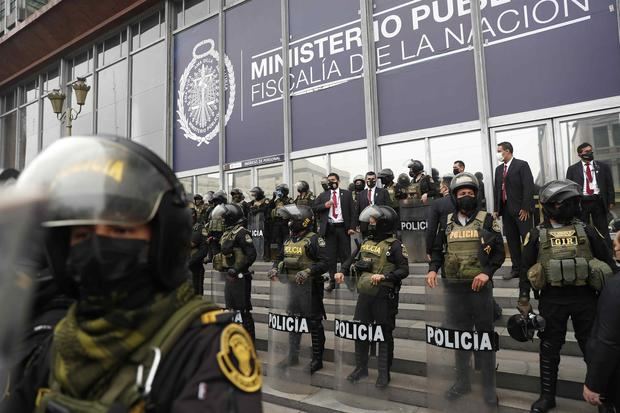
(90, 180)
(370, 211)
(289, 212)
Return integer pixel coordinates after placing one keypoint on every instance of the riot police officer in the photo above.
(325, 183)
(568, 262)
(304, 197)
(214, 227)
(379, 265)
(238, 198)
(386, 176)
(358, 186)
(301, 263)
(470, 249)
(123, 256)
(278, 226)
(201, 208)
(198, 252)
(257, 220)
(422, 187)
(237, 254)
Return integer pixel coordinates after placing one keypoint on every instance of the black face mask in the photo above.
(359, 187)
(371, 231)
(324, 186)
(371, 183)
(332, 185)
(99, 264)
(412, 173)
(237, 198)
(385, 181)
(587, 156)
(565, 213)
(466, 204)
(456, 171)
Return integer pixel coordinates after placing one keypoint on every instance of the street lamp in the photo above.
(57, 99)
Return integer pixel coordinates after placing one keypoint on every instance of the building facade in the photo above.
(315, 86)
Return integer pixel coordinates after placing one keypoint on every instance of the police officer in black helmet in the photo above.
(566, 263)
(386, 176)
(257, 221)
(380, 265)
(238, 198)
(304, 197)
(214, 226)
(279, 228)
(118, 235)
(237, 254)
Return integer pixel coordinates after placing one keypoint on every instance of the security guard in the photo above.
(568, 262)
(301, 263)
(238, 198)
(470, 249)
(304, 197)
(278, 226)
(137, 339)
(214, 227)
(386, 176)
(260, 207)
(237, 254)
(198, 252)
(422, 187)
(380, 264)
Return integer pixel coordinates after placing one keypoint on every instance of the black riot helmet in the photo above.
(257, 193)
(299, 217)
(415, 167)
(403, 180)
(209, 197)
(359, 183)
(302, 187)
(385, 221)
(219, 198)
(386, 176)
(281, 190)
(8, 176)
(237, 195)
(522, 327)
(230, 214)
(561, 200)
(463, 180)
(111, 181)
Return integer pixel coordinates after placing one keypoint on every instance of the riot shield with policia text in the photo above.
(256, 226)
(413, 227)
(460, 347)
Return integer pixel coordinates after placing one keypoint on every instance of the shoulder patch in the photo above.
(218, 316)
(404, 251)
(321, 242)
(495, 226)
(248, 238)
(527, 238)
(237, 359)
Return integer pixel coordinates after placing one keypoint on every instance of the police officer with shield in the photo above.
(198, 252)
(422, 186)
(278, 227)
(469, 252)
(237, 254)
(301, 263)
(568, 262)
(377, 269)
(257, 218)
(304, 197)
(238, 198)
(386, 176)
(214, 226)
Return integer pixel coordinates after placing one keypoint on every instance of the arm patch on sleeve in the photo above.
(238, 360)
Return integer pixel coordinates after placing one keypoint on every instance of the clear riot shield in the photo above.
(218, 287)
(460, 349)
(256, 225)
(364, 345)
(413, 224)
(295, 334)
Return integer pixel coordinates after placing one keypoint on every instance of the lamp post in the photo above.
(57, 99)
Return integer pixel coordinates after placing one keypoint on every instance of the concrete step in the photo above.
(405, 394)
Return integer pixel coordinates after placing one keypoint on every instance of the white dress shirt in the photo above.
(593, 184)
(338, 209)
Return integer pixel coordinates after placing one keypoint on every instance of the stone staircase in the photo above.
(517, 372)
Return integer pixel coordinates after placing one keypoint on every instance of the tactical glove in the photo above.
(273, 274)
(302, 276)
(524, 306)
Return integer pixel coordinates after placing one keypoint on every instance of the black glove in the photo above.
(302, 276)
(232, 273)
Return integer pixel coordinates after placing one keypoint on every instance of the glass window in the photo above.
(241, 180)
(51, 125)
(464, 147)
(603, 132)
(187, 183)
(195, 10)
(269, 177)
(31, 91)
(396, 156)
(348, 164)
(52, 80)
(83, 125)
(207, 182)
(29, 139)
(10, 101)
(82, 65)
(8, 132)
(111, 49)
(529, 144)
(148, 102)
(112, 100)
(149, 30)
(310, 170)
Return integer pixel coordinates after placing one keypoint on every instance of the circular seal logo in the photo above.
(198, 100)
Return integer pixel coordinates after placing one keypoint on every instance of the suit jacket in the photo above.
(346, 205)
(519, 188)
(381, 197)
(603, 180)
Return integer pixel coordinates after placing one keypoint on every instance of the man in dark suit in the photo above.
(597, 187)
(372, 195)
(514, 201)
(337, 221)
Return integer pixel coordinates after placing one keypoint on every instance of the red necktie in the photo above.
(335, 204)
(589, 189)
(369, 196)
(504, 197)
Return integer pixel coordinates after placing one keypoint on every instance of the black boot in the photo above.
(486, 361)
(318, 345)
(294, 339)
(248, 323)
(462, 385)
(548, 383)
(383, 362)
(361, 362)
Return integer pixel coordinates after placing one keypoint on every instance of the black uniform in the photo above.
(259, 211)
(199, 251)
(278, 227)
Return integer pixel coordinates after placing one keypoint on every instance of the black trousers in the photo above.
(237, 292)
(595, 209)
(198, 278)
(515, 231)
(338, 244)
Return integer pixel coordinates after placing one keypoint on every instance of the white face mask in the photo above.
(500, 157)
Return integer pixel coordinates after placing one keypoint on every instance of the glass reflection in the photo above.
(397, 156)
(269, 177)
(207, 182)
(310, 170)
(241, 180)
(349, 164)
(8, 129)
(187, 184)
(29, 139)
(464, 147)
(530, 144)
(112, 100)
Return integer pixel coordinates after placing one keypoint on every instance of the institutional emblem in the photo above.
(198, 100)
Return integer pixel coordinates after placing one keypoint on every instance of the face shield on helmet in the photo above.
(230, 214)
(302, 186)
(385, 176)
(561, 200)
(299, 217)
(378, 221)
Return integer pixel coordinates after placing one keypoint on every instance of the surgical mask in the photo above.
(99, 263)
(455, 171)
(371, 183)
(466, 203)
(332, 185)
(500, 157)
(587, 156)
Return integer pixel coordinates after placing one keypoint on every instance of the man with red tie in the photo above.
(597, 186)
(372, 195)
(337, 221)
